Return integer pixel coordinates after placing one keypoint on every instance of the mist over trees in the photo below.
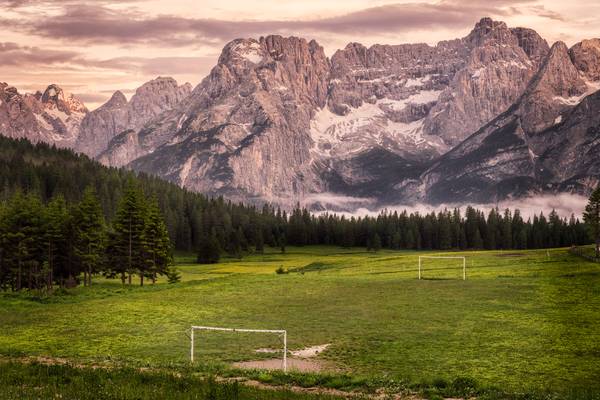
(591, 216)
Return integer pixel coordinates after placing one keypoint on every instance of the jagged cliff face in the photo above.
(276, 120)
(423, 100)
(479, 118)
(118, 115)
(499, 66)
(544, 142)
(53, 116)
(244, 131)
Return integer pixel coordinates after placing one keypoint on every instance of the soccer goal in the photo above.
(464, 263)
(280, 332)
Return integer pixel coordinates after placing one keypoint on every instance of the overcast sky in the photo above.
(93, 48)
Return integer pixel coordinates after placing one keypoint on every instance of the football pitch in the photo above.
(522, 320)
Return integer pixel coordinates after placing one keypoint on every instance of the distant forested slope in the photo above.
(48, 171)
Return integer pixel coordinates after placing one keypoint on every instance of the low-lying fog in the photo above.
(565, 205)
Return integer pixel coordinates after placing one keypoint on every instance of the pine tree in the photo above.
(281, 242)
(396, 240)
(376, 243)
(22, 239)
(236, 239)
(173, 275)
(209, 251)
(591, 217)
(445, 234)
(90, 235)
(477, 240)
(129, 240)
(260, 242)
(56, 237)
(158, 244)
(507, 230)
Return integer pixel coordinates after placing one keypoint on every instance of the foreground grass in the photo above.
(36, 381)
(523, 321)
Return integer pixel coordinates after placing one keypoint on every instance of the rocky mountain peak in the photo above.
(8, 92)
(558, 75)
(117, 100)
(489, 30)
(53, 93)
(532, 43)
(242, 49)
(586, 58)
(118, 115)
(157, 84)
(276, 120)
(154, 97)
(55, 96)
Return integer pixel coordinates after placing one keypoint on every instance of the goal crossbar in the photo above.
(464, 259)
(216, 328)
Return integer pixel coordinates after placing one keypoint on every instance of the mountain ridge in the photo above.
(278, 121)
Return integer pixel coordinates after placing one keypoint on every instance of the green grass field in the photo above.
(523, 320)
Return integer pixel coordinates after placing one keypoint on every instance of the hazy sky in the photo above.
(93, 48)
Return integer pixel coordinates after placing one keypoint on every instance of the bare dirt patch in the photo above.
(310, 352)
(300, 360)
(293, 364)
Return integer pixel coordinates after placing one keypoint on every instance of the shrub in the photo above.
(281, 270)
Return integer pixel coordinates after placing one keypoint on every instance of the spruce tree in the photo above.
(507, 237)
(22, 239)
(236, 238)
(445, 233)
(57, 239)
(376, 243)
(158, 244)
(260, 242)
(129, 238)
(209, 251)
(90, 234)
(591, 217)
(396, 240)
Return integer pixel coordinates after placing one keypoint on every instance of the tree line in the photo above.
(213, 226)
(43, 245)
(444, 230)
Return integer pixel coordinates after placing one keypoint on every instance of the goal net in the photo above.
(279, 332)
(442, 267)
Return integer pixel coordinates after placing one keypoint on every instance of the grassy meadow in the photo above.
(522, 321)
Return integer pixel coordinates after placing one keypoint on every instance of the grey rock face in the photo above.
(244, 130)
(53, 117)
(586, 58)
(497, 71)
(117, 115)
(473, 119)
(530, 148)
(276, 121)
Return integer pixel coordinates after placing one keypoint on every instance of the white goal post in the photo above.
(464, 259)
(279, 332)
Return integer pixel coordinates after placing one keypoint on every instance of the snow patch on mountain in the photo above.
(574, 100)
(422, 97)
(412, 82)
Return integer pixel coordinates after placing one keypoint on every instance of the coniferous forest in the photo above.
(64, 217)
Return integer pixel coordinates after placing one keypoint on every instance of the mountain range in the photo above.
(497, 114)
